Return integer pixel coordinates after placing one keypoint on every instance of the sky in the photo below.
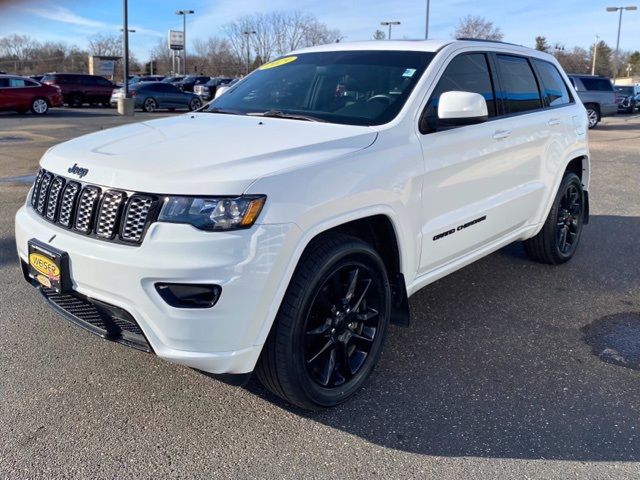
(569, 22)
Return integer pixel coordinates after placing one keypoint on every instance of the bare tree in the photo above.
(276, 33)
(16, 51)
(106, 45)
(214, 56)
(474, 26)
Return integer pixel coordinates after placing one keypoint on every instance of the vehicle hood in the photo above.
(202, 153)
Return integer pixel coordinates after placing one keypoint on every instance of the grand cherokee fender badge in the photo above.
(460, 227)
(76, 170)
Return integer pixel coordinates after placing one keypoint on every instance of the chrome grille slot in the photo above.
(67, 206)
(86, 208)
(43, 192)
(111, 215)
(136, 217)
(54, 197)
(108, 213)
(36, 188)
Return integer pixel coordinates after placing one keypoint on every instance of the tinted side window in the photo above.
(4, 82)
(164, 87)
(519, 84)
(466, 73)
(16, 82)
(554, 90)
(599, 84)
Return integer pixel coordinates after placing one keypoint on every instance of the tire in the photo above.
(194, 104)
(303, 360)
(150, 105)
(551, 245)
(39, 106)
(593, 115)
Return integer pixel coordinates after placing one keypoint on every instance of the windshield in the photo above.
(352, 87)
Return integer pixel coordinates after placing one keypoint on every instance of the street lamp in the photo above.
(615, 9)
(389, 24)
(248, 33)
(184, 14)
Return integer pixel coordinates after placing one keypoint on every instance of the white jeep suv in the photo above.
(282, 228)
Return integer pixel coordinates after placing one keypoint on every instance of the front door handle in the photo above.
(499, 134)
(553, 121)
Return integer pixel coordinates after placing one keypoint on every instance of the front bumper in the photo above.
(249, 265)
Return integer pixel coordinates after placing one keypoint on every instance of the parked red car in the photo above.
(79, 88)
(22, 94)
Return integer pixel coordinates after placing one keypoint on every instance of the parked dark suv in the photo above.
(78, 89)
(597, 95)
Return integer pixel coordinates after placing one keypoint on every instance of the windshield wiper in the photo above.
(281, 114)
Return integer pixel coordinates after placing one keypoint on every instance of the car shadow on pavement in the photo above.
(618, 127)
(495, 363)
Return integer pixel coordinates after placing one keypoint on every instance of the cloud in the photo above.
(64, 15)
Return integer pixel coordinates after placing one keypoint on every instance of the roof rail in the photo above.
(471, 39)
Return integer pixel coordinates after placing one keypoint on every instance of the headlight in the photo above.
(215, 213)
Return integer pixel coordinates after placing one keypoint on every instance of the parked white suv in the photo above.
(283, 227)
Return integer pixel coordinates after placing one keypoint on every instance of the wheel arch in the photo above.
(578, 163)
(376, 226)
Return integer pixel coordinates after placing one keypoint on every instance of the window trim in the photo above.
(492, 78)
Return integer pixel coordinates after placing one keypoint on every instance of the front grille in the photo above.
(108, 321)
(106, 214)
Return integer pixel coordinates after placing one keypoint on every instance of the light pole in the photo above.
(184, 14)
(389, 24)
(126, 77)
(615, 9)
(125, 104)
(595, 54)
(426, 28)
(125, 46)
(248, 33)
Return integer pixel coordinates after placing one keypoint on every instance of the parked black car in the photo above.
(207, 91)
(188, 82)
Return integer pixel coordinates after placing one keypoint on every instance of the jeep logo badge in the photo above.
(76, 170)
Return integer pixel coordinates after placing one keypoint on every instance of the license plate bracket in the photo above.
(49, 266)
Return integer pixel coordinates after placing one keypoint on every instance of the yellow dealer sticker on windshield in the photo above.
(278, 63)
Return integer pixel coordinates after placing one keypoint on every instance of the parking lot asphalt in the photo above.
(510, 369)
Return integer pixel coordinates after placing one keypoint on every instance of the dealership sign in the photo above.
(176, 40)
(102, 65)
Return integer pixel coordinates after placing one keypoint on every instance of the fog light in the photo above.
(186, 295)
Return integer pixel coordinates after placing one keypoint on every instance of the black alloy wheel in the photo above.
(569, 219)
(342, 324)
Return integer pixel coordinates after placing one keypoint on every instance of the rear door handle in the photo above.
(499, 134)
(553, 121)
